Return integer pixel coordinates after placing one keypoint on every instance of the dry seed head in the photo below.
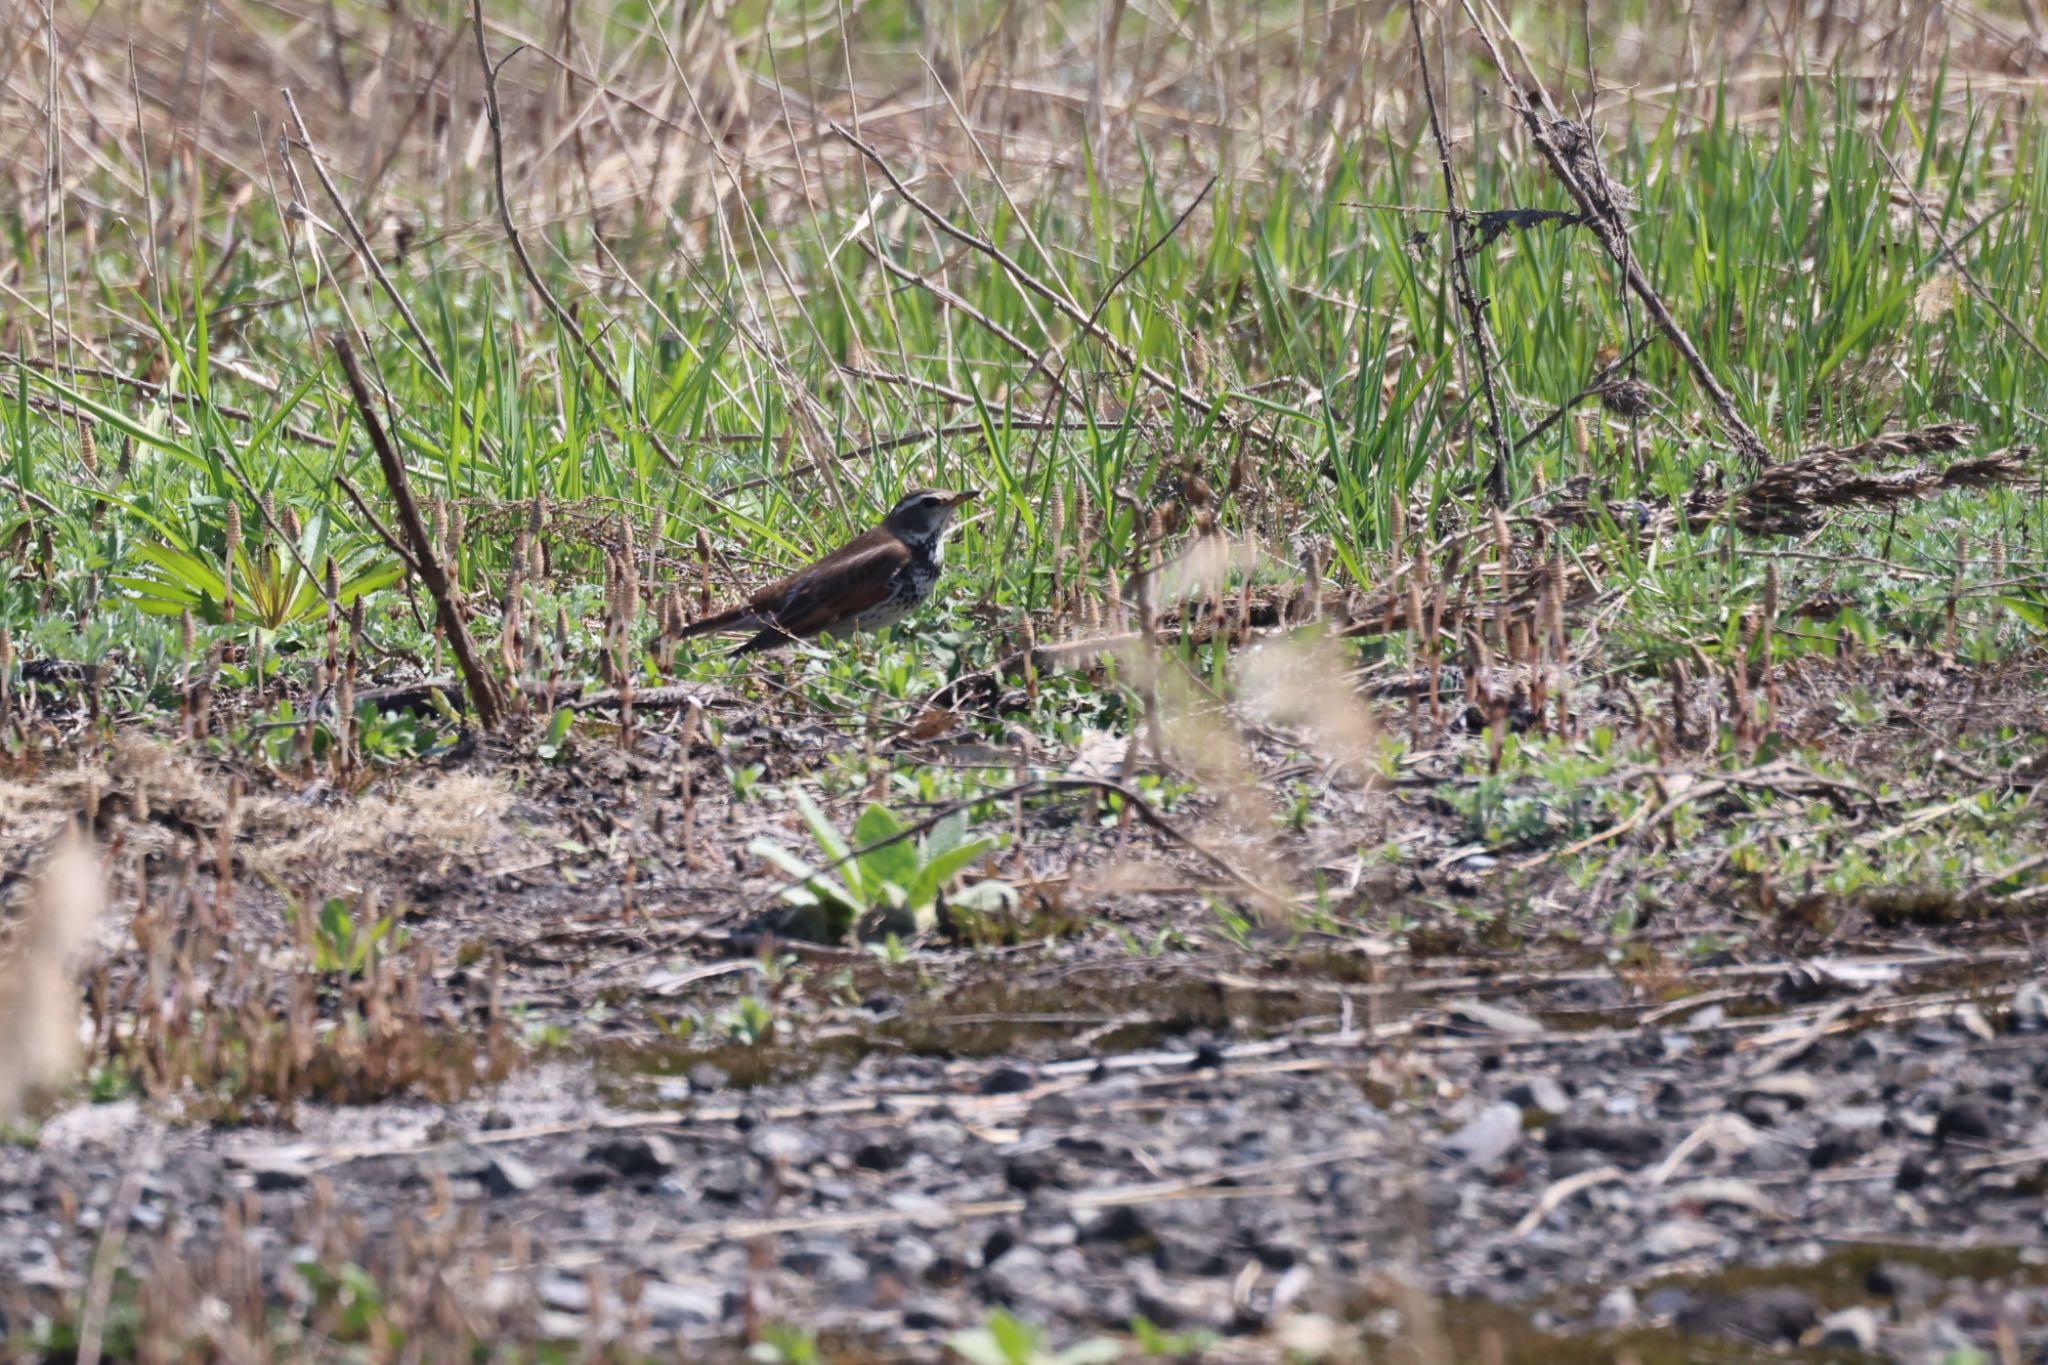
(1501, 544)
(234, 528)
(88, 449)
(292, 525)
(188, 633)
(269, 511)
(440, 516)
(454, 532)
(333, 584)
(629, 576)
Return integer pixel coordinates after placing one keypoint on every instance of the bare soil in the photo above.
(1456, 1110)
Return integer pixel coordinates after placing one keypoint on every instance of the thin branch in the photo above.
(1025, 278)
(1607, 224)
(1461, 278)
(1593, 386)
(547, 296)
(483, 689)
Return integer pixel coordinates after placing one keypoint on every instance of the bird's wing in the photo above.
(841, 585)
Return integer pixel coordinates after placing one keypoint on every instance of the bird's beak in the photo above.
(967, 496)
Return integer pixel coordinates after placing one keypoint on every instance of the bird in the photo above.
(869, 583)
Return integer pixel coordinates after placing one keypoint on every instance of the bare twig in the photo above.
(1025, 278)
(1593, 386)
(483, 689)
(1607, 224)
(546, 295)
(1461, 278)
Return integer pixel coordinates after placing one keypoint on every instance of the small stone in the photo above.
(588, 1178)
(1851, 1329)
(1932, 1035)
(1628, 1143)
(1617, 1308)
(1909, 1286)
(705, 1078)
(635, 1157)
(1028, 1171)
(272, 1178)
(1971, 1020)
(1667, 1302)
(1123, 1224)
(1911, 1175)
(1487, 1138)
(1847, 1134)
(1775, 1316)
(1480, 1017)
(1539, 1094)
(671, 1307)
(1019, 1276)
(885, 1154)
(1006, 1080)
(1677, 1237)
(913, 1256)
(1971, 1117)
(2028, 1012)
(505, 1174)
(1772, 1098)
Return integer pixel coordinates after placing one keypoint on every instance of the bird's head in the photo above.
(923, 514)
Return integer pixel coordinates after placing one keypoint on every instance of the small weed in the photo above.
(889, 887)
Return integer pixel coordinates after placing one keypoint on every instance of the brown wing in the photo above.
(850, 579)
(843, 584)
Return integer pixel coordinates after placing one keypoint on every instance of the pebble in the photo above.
(1485, 1018)
(1677, 1237)
(1973, 1117)
(1851, 1329)
(1628, 1143)
(637, 1156)
(2028, 1012)
(505, 1174)
(1018, 1276)
(1771, 1317)
(1617, 1308)
(1539, 1094)
(1907, 1285)
(1006, 1080)
(1487, 1138)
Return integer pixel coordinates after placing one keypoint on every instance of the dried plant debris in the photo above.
(1794, 498)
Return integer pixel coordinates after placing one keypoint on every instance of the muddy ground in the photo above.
(1454, 1111)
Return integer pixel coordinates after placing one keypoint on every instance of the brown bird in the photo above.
(870, 582)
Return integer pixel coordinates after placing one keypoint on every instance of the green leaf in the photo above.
(816, 888)
(893, 863)
(933, 876)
